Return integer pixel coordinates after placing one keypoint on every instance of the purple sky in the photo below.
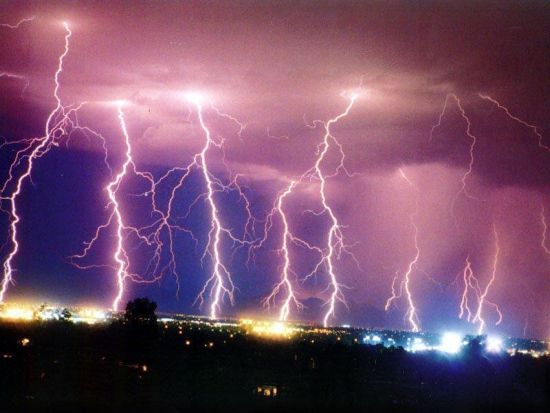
(276, 67)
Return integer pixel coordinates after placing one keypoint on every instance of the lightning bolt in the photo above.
(473, 141)
(120, 256)
(287, 238)
(150, 234)
(220, 286)
(533, 128)
(52, 128)
(18, 24)
(544, 225)
(335, 240)
(9, 75)
(467, 276)
(220, 283)
(483, 296)
(411, 314)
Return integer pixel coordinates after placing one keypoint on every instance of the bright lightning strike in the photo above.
(335, 239)
(220, 286)
(122, 229)
(483, 296)
(287, 238)
(220, 283)
(120, 255)
(467, 276)
(411, 314)
(52, 128)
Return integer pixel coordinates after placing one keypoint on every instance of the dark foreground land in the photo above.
(116, 367)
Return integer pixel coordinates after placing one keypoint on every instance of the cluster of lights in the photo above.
(17, 313)
(88, 315)
(268, 329)
(449, 343)
(533, 353)
(372, 339)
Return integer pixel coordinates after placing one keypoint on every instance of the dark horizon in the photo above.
(275, 68)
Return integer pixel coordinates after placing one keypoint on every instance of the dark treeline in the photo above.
(133, 366)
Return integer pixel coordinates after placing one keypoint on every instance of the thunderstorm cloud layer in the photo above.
(445, 144)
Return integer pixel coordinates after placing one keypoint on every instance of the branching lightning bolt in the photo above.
(287, 238)
(471, 285)
(53, 127)
(120, 255)
(468, 278)
(405, 286)
(335, 239)
(220, 283)
(220, 286)
(483, 293)
(122, 229)
(473, 141)
(533, 128)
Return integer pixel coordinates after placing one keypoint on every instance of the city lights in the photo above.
(271, 329)
(494, 344)
(17, 313)
(450, 343)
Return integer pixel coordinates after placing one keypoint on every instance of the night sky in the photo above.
(277, 67)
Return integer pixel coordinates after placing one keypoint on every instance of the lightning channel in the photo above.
(533, 128)
(483, 301)
(544, 228)
(287, 238)
(405, 286)
(43, 144)
(335, 238)
(19, 23)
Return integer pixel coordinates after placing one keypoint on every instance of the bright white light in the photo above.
(493, 344)
(117, 102)
(450, 343)
(356, 93)
(374, 339)
(278, 328)
(120, 102)
(195, 98)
